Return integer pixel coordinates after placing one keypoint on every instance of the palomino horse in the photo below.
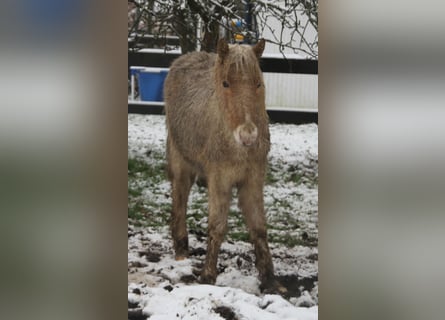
(218, 130)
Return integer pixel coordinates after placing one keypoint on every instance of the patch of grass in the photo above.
(236, 218)
(149, 203)
(281, 224)
(139, 169)
(237, 229)
(134, 192)
(296, 174)
(143, 175)
(239, 236)
(195, 226)
(291, 240)
(294, 177)
(136, 212)
(199, 204)
(282, 204)
(197, 213)
(158, 214)
(272, 176)
(135, 165)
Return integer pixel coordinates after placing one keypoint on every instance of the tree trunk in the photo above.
(186, 31)
(211, 37)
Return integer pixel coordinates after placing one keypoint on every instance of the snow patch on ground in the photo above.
(202, 301)
(160, 287)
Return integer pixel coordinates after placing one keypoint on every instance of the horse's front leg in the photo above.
(181, 177)
(251, 203)
(220, 192)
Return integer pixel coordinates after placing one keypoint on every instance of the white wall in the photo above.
(291, 91)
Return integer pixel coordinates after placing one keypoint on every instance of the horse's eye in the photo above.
(258, 85)
(225, 84)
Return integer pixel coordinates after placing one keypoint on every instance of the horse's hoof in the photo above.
(281, 289)
(207, 279)
(273, 287)
(181, 253)
(180, 258)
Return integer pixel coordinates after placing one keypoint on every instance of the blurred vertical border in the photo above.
(382, 156)
(63, 155)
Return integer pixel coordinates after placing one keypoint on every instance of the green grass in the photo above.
(143, 175)
(238, 236)
(139, 169)
(295, 177)
(291, 240)
(272, 176)
(293, 174)
(150, 205)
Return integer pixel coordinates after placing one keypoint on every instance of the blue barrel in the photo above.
(151, 84)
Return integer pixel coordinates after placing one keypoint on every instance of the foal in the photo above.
(218, 130)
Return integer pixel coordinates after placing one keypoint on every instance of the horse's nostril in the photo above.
(246, 134)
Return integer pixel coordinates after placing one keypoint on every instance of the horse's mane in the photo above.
(241, 60)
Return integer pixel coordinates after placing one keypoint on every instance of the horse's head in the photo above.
(240, 87)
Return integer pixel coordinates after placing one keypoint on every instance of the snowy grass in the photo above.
(291, 204)
(290, 194)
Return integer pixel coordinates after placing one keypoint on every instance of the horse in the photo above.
(218, 130)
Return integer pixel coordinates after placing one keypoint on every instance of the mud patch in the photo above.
(151, 262)
(189, 278)
(150, 256)
(136, 314)
(296, 285)
(226, 313)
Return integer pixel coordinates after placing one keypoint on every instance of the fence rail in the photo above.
(275, 65)
(267, 64)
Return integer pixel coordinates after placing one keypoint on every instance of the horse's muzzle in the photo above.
(246, 134)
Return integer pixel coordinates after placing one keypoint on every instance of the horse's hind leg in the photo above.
(182, 177)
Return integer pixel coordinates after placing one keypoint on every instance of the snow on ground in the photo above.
(159, 287)
(145, 132)
(206, 302)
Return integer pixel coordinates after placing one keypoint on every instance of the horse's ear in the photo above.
(222, 48)
(259, 48)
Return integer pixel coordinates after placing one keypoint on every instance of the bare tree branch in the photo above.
(290, 24)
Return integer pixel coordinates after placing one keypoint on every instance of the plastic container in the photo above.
(151, 83)
(134, 74)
